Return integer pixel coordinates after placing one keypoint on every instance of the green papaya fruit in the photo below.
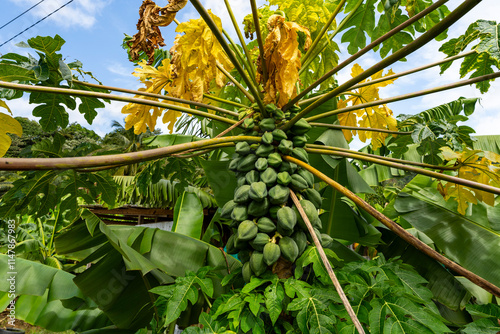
(258, 191)
(283, 178)
(279, 135)
(267, 124)
(242, 148)
(279, 194)
(257, 263)
(266, 225)
(273, 212)
(230, 248)
(295, 109)
(300, 239)
(279, 114)
(248, 123)
(300, 141)
(233, 165)
(314, 196)
(306, 175)
(311, 213)
(300, 127)
(287, 218)
(289, 249)
(326, 240)
(267, 138)
(252, 176)
(298, 182)
(260, 240)
(246, 271)
(317, 223)
(241, 181)
(247, 230)
(289, 167)
(247, 163)
(264, 150)
(227, 209)
(239, 213)
(241, 194)
(271, 253)
(270, 108)
(274, 160)
(258, 209)
(301, 154)
(285, 146)
(269, 176)
(261, 164)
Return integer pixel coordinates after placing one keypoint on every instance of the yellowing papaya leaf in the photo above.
(4, 105)
(8, 124)
(195, 56)
(151, 17)
(155, 80)
(474, 165)
(282, 56)
(380, 117)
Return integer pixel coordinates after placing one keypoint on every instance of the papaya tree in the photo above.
(274, 126)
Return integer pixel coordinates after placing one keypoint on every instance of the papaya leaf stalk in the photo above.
(328, 267)
(398, 230)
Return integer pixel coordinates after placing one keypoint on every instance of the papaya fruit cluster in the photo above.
(266, 225)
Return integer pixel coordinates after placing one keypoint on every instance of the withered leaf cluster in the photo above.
(148, 36)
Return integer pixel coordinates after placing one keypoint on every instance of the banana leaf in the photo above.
(473, 241)
(130, 261)
(49, 298)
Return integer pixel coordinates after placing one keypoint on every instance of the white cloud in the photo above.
(79, 13)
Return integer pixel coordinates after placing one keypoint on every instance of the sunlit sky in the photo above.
(94, 29)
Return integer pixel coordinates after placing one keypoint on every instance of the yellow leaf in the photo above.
(8, 124)
(282, 56)
(151, 17)
(449, 154)
(4, 105)
(463, 195)
(378, 117)
(195, 56)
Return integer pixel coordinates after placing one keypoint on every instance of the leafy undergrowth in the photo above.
(29, 329)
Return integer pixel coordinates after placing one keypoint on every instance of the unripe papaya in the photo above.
(326, 240)
(241, 181)
(242, 148)
(285, 147)
(279, 135)
(306, 175)
(300, 141)
(311, 213)
(239, 213)
(266, 225)
(257, 263)
(267, 124)
(283, 178)
(252, 176)
(301, 154)
(264, 150)
(286, 218)
(261, 164)
(271, 253)
(267, 138)
(246, 271)
(273, 212)
(295, 108)
(247, 163)
(279, 194)
(314, 196)
(227, 209)
(289, 167)
(298, 182)
(274, 160)
(258, 209)
(260, 240)
(248, 123)
(247, 230)
(289, 249)
(317, 224)
(258, 191)
(269, 176)
(270, 108)
(318, 234)
(241, 194)
(300, 239)
(300, 127)
(233, 165)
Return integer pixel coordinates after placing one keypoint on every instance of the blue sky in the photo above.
(93, 30)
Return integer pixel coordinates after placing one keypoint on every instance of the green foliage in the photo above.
(49, 70)
(487, 55)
